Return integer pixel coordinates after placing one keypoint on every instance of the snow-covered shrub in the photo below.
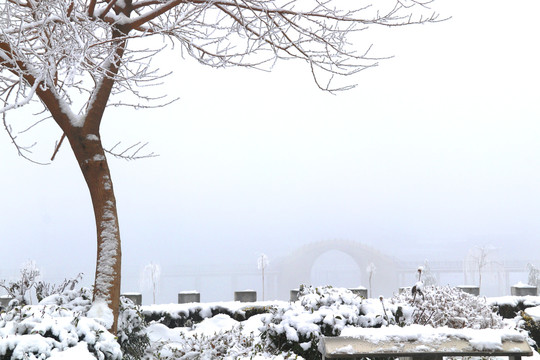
(229, 344)
(44, 289)
(20, 289)
(298, 326)
(185, 315)
(534, 275)
(79, 301)
(510, 306)
(132, 335)
(445, 306)
(429, 278)
(60, 323)
(40, 331)
(532, 327)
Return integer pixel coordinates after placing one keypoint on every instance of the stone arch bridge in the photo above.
(295, 269)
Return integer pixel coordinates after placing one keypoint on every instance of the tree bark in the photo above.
(92, 161)
(86, 144)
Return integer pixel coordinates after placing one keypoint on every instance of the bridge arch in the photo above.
(295, 269)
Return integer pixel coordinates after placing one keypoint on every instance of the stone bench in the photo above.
(443, 343)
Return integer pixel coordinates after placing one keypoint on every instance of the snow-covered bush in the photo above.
(20, 289)
(44, 289)
(228, 344)
(511, 306)
(298, 326)
(534, 275)
(41, 331)
(183, 315)
(445, 306)
(527, 323)
(60, 322)
(132, 335)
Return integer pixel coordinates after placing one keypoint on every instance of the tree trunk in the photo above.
(90, 155)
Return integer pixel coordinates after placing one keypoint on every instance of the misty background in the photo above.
(434, 153)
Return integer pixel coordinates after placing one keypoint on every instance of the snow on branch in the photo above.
(84, 53)
(132, 152)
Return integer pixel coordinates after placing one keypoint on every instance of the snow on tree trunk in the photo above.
(91, 158)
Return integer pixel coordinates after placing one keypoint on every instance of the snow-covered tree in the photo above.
(150, 278)
(262, 263)
(429, 277)
(534, 275)
(73, 57)
(370, 269)
(479, 259)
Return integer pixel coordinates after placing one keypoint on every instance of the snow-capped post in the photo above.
(370, 269)
(70, 59)
(150, 279)
(262, 263)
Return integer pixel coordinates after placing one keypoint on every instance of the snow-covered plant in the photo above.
(228, 344)
(56, 325)
(20, 289)
(429, 278)
(79, 301)
(534, 275)
(298, 326)
(262, 263)
(532, 327)
(370, 269)
(446, 306)
(132, 335)
(44, 289)
(150, 279)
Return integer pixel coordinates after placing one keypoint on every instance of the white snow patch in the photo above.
(98, 157)
(74, 119)
(102, 313)
(347, 349)
(523, 285)
(107, 184)
(220, 322)
(533, 312)
(31, 343)
(92, 137)
(79, 352)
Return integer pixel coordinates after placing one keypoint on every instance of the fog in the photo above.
(435, 153)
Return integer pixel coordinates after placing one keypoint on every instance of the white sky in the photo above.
(434, 152)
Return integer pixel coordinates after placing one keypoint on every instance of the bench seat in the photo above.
(434, 344)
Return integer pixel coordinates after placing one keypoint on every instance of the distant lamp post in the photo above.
(262, 263)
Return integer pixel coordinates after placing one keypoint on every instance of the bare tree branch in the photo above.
(131, 152)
